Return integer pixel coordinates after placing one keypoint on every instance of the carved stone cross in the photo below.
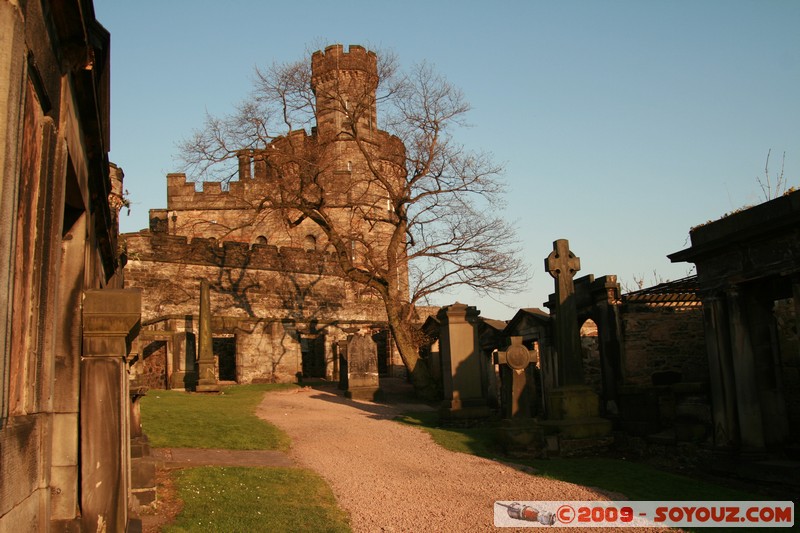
(562, 265)
(517, 393)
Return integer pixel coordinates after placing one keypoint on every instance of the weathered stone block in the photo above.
(65, 439)
(63, 491)
(576, 402)
(19, 460)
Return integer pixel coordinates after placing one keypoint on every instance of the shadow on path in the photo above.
(398, 397)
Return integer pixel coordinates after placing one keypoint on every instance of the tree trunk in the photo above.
(409, 351)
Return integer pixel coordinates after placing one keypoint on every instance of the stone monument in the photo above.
(519, 433)
(206, 378)
(562, 265)
(460, 352)
(573, 408)
(362, 368)
(517, 387)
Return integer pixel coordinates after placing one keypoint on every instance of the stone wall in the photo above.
(256, 282)
(57, 243)
(276, 303)
(153, 365)
(659, 339)
(789, 347)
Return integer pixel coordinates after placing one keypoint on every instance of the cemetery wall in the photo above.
(276, 303)
(247, 282)
(789, 347)
(152, 371)
(663, 338)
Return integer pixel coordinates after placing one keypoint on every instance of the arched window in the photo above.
(310, 243)
(591, 354)
(261, 240)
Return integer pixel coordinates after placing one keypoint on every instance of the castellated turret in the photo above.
(344, 84)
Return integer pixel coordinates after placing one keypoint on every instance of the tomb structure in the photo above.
(66, 327)
(462, 369)
(748, 274)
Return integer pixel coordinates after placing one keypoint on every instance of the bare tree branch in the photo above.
(409, 211)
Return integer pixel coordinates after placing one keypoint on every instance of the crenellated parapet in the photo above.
(163, 248)
(185, 194)
(334, 61)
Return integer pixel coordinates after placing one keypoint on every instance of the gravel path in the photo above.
(392, 477)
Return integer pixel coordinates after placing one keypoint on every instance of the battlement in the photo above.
(159, 247)
(334, 58)
(185, 194)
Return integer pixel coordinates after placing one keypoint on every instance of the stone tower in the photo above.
(344, 84)
(279, 298)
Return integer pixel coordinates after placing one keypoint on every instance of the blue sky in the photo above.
(621, 124)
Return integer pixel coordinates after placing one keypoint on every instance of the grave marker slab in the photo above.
(362, 368)
(517, 387)
(460, 352)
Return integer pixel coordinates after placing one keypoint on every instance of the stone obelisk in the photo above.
(207, 379)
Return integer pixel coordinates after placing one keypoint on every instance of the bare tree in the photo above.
(770, 188)
(417, 214)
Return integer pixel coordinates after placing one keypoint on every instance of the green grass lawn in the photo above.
(177, 419)
(246, 500)
(226, 499)
(635, 480)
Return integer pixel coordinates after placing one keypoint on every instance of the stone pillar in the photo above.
(244, 164)
(720, 371)
(259, 166)
(606, 295)
(335, 361)
(207, 379)
(143, 465)
(748, 404)
(362, 368)
(184, 360)
(110, 320)
(460, 352)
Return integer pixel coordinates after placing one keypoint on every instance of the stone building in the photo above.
(748, 272)
(278, 298)
(66, 323)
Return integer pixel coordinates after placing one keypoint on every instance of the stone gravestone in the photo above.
(518, 388)
(460, 353)
(362, 368)
(573, 408)
(341, 356)
(207, 380)
(519, 433)
(562, 266)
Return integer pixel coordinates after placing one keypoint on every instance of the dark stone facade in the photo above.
(748, 269)
(64, 450)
